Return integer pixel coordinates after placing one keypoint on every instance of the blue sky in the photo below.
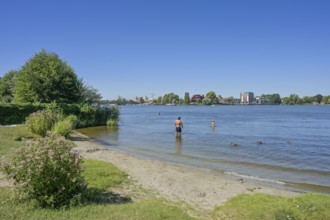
(149, 48)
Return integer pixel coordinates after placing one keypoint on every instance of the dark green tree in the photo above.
(230, 100)
(293, 99)
(213, 97)
(45, 78)
(309, 99)
(186, 98)
(319, 98)
(159, 100)
(207, 101)
(7, 84)
(271, 98)
(170, 98)
(141, 99)
(90, 95)
(326, 99)
(121, 101)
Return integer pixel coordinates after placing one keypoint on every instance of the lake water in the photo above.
(295, 149)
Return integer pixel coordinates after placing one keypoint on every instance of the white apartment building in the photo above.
(247, 97)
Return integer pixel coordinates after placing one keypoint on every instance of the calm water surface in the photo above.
(295, 140)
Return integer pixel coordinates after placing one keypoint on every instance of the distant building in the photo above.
(247, 98)
(196, 98)
(262, 100)
(258, 100)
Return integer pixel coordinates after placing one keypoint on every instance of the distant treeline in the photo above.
(211, 98)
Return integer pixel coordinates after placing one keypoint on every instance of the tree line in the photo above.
(211, 98)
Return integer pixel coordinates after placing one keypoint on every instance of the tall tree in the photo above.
(230, 100)
(90, 94)
(213, 97)
(319, 98)
(186, 98)
(7, 84)
(207, 101)
(293, 99)
(170, 98)
(121, 101)
(271, 98)
(326, 99)
(159, 100)
(141, 99)
(45, 78)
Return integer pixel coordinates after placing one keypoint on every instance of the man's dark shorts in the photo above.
(178, 129)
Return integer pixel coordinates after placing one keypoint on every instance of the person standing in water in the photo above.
(212, 124)
(178, 126)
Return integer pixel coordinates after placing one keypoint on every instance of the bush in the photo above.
(42, 121)
(65, 126)
(87, 116)
(47, 171)
(95, 116)
(39, 122)
(112, 122)
(73, 119)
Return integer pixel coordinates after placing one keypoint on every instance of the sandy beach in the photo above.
(201, 189)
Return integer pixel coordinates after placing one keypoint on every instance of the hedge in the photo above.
(16, 113)
(87, 115)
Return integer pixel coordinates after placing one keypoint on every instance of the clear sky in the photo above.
(149, 48)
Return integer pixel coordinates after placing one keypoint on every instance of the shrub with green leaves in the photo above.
(42, 121)
(87, 116)
(47, 171)
(65, 126)
(95, 116)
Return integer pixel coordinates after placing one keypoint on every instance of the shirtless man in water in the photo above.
(178, 126)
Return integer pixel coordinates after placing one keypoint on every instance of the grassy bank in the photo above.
(11, 138)
(262, 206)
(100, 176)
(113, 196)
(153, 209)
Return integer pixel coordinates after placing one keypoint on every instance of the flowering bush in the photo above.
(47, 171)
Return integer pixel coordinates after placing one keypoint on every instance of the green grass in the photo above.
(10, 138)
(102, 175)
(142, 210)
(262, 206)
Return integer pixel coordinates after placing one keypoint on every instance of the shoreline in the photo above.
(200, 188)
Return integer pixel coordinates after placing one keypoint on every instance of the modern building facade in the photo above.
(247, 98)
